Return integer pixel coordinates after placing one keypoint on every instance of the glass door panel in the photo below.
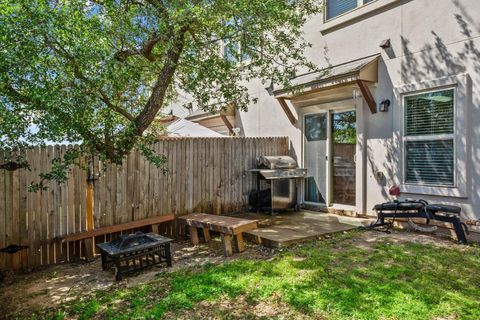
(344, 141)
(315, 153)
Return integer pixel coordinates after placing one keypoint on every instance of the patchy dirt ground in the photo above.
(240, 308)
(54, 285)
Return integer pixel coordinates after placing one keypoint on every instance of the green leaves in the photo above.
(59, 170)
(99, 72)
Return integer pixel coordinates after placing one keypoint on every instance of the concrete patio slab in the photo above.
(294, 227)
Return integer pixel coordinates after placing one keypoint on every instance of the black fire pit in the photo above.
(134, 252)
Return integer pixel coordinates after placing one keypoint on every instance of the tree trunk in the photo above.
(155, 102)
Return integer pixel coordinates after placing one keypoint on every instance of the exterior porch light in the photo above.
(270, 88)
(385, 44)
(383, 106)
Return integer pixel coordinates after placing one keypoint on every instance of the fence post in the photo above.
(89, 242)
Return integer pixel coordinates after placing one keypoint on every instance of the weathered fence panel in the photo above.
(204, 175)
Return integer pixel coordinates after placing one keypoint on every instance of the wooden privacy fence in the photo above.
(204, 175)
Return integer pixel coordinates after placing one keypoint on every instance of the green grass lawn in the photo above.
(325, 279)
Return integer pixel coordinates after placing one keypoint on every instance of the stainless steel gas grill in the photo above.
(281, 174)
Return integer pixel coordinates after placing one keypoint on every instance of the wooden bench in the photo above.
(87, 236)
(229, 228)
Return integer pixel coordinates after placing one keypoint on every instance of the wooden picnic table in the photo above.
(230, 228)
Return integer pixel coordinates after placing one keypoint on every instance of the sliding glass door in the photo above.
(330, 140)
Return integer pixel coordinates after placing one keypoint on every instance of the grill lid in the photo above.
(276, 162)
(283, 174)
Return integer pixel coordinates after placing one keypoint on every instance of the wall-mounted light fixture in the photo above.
(189, 107)
(385, 44)
(270, 88)
(237, 131)
(383, 106)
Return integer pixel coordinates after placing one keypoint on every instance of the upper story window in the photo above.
(335, 8)
(233, 51)
(429, 141)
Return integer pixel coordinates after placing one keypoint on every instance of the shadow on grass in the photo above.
(332, 279)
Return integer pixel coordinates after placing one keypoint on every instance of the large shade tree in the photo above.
(99, 72)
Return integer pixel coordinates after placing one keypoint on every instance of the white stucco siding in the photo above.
(430, 39)
(266, 118)
(428, 24)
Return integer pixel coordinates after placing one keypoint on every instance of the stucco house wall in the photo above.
(431, 40)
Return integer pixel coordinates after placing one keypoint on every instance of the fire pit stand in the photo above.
(134, 252)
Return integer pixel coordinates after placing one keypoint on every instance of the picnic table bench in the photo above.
(230, 229)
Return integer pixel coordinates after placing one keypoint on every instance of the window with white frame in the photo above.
(335, 8)
(428, 139)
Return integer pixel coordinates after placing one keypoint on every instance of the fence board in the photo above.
(50, 212)
(204, 174)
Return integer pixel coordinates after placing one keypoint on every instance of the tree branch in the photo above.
(145, 51)
(114, 107)
(86, 134)
(160, 7)
(15, 95)
(79, 75)
(164, 79)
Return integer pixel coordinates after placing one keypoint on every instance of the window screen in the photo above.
(429, 138)
(338, 7)
(316, 127)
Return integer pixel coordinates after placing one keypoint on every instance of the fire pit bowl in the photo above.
(134, 252)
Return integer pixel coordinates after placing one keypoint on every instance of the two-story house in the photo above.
(396, 103)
